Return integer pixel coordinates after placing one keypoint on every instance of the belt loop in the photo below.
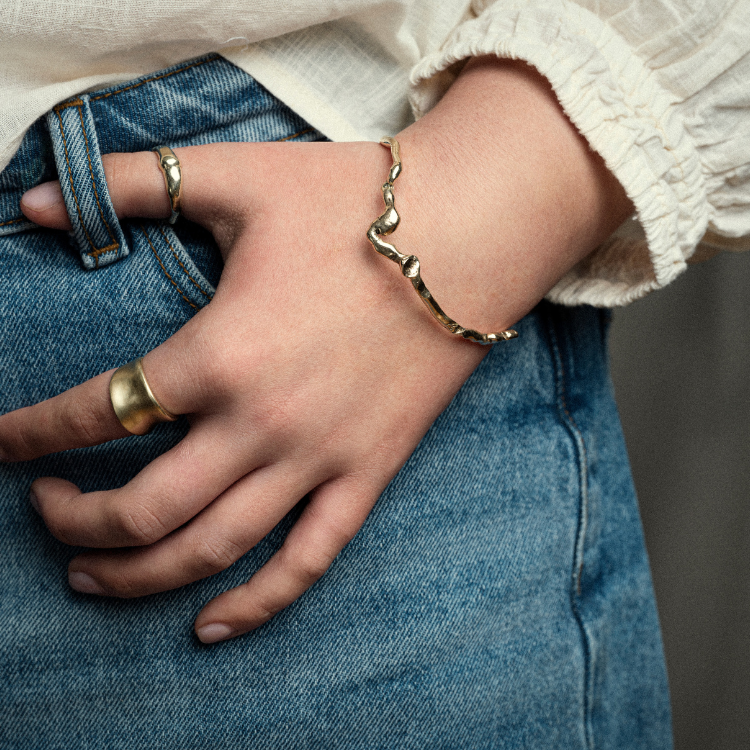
(96, 229)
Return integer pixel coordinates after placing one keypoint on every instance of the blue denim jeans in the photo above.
(498, 595)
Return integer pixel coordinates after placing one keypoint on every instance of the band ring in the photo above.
(170, 167)
(133, 401)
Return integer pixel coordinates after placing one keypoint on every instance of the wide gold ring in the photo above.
(133, 400)
(170, 167)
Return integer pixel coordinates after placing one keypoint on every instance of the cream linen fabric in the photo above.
(660, 88)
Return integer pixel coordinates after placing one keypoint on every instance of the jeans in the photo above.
(498, 595)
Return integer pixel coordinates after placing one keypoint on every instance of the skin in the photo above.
(316, 370)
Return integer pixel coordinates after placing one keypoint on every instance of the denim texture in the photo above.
(498, 595)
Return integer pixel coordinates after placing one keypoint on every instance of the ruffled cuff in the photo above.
(617, 104)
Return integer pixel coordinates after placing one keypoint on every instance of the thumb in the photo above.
(137, 188)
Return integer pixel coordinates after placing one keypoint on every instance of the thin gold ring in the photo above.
(170, 168)
(133, 400)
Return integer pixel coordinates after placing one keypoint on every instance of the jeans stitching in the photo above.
(96, 252)
(13, 221)
(577, 568)
(72, 103)
(296, 135)
(166, 273)
(174, 252)
(93, 181)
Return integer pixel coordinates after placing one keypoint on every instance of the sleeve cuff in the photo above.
(618, 105)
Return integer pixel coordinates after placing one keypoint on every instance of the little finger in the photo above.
(334, 515)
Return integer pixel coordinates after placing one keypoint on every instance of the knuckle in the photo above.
(23, 433)
(138, 526)
(227, 369)
(84, 424)
(263, 611)
(276, 416)
(310, 565)
(124, 181)
(217, 555)
(122, 585)
(113, 167)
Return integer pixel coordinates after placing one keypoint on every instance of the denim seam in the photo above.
(577, 568)
(166, 273)
(187, 273)
(12, 221)
(96, 252)
(93, 183)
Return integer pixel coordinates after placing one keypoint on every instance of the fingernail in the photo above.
(42, 196)
(84, 583)
(34, 500)
(216, 631)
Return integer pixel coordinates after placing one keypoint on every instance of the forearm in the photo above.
(500, 195)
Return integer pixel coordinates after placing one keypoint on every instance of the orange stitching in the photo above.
(166, 273)
(101, 250)
(13, 221)
(96, 252)
(93, 181)
(197, 285)
(296, 135)
(72, 103)
(72, 187)
(154, 78)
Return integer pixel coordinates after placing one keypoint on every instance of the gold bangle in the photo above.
(387, 223)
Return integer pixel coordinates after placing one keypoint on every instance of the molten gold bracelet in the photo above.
(387, 223)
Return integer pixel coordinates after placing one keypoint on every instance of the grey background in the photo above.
(681, 368)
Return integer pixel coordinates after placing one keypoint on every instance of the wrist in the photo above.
(500, 196)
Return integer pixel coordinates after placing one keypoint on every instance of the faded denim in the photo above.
(498, 596)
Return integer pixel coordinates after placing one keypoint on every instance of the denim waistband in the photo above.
(206, 100)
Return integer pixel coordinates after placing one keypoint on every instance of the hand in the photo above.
(315, 371)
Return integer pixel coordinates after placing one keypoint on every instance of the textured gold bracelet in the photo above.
(387, 223)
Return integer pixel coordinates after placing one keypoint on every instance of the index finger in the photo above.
(78, 418)
(136, 186)
(83, 416)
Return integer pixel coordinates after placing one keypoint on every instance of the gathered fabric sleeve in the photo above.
(661, 90)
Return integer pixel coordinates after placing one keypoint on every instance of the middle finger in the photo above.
(229, 527)
(164, 495)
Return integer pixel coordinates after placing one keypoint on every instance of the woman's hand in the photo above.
(316, 370)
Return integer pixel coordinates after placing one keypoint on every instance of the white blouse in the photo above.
(660, 88)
